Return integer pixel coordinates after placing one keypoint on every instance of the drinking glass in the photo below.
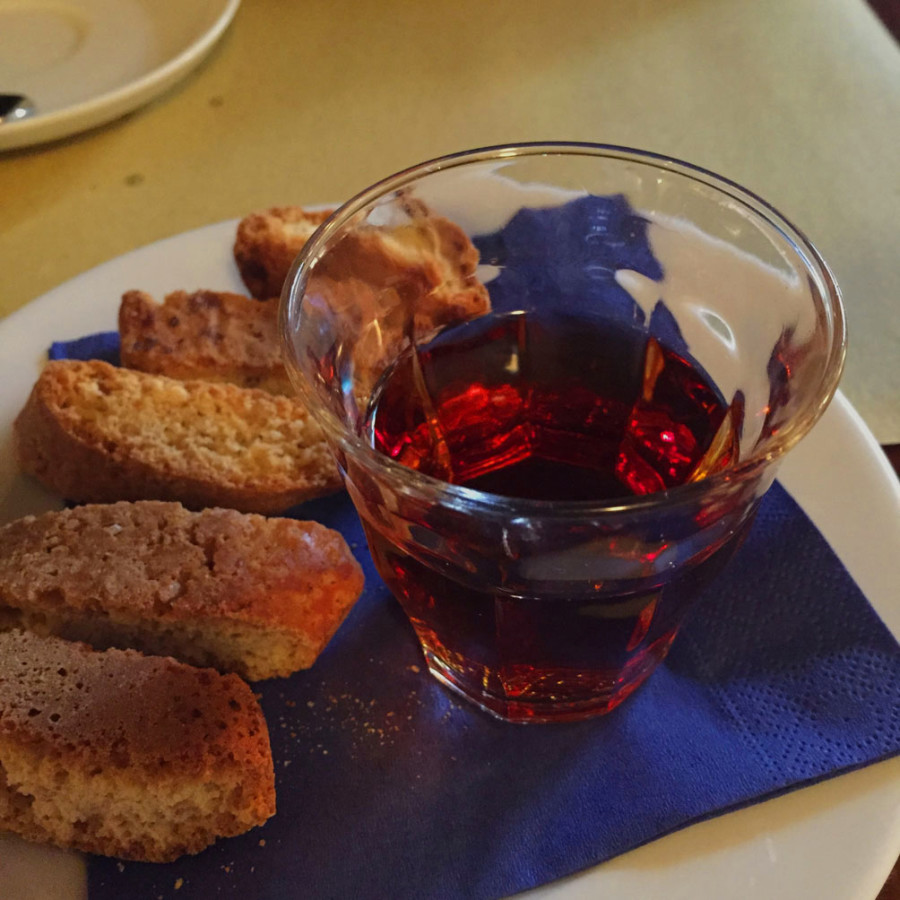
(557, 380)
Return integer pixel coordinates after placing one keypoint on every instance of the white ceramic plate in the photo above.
(87, 62)
(838, 839)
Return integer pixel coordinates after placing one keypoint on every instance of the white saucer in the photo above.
(85, 62)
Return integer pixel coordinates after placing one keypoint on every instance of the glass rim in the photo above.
(410, 481)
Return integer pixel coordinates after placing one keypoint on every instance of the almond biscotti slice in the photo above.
(127, 755)
(267, 243)
(428, 260)
(92, 432)
(211, 335)
(241, 593)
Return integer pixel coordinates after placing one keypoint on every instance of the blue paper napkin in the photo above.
(390, 786)
(103, 345)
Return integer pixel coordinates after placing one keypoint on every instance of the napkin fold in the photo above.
(389, 785)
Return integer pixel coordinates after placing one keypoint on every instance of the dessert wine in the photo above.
(553, 409)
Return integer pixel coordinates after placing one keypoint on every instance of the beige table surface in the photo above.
(305, 102)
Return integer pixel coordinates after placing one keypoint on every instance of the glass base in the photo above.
(522, 710)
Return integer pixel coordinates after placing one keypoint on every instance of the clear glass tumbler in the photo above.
(558, 379)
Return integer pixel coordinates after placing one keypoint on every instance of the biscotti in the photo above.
(127, 755)
(428, 260)
(379, 288)
(267, 243)
(92, 432)
(242, 593)
(210, 335)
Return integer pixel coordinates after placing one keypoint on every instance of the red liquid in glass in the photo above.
(548, 409)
